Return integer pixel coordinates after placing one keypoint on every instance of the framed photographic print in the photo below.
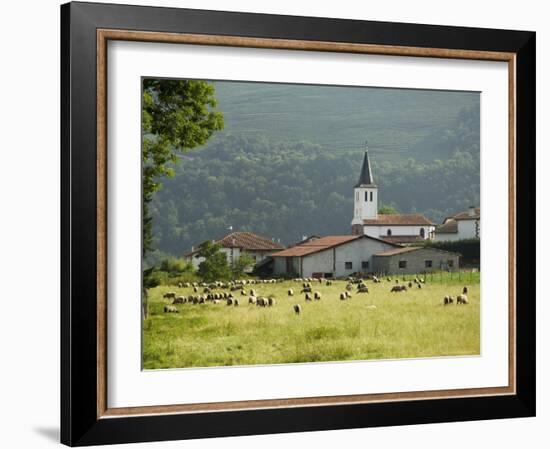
(274, 224)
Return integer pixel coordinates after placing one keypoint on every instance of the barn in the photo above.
(410, 260)
(330, 256)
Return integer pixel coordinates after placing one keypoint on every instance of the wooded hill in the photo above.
(287, 160)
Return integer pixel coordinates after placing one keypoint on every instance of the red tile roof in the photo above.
(399, 220)
(316, 245)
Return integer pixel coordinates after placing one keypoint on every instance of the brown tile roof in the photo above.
(399, 220)
(250, 241)
(449, 227)
(466, 215)
(409, 249)
(401, 238)
(245, 240)
(316, 245)
(395, 251)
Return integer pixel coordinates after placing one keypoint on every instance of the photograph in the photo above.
(301, 223)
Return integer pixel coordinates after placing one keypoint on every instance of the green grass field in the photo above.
(403, 325)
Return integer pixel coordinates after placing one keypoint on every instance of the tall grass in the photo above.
(403, 325)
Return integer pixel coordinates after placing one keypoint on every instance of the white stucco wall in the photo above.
(377, 231)
(333, 260)
(467, 229)
(364, 209)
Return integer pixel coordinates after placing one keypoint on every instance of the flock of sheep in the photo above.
(227, 297)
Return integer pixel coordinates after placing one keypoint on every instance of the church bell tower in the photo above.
(365, 205)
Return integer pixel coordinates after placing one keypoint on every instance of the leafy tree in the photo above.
(177, 115)
(214, 266)
(388, 209)
(241, 264)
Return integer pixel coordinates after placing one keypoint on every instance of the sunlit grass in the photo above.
(403, 325)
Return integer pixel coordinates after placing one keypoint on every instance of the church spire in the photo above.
(365, 178)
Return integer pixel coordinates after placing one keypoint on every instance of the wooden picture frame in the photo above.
(86, 29)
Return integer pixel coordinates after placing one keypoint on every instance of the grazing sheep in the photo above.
(398, 288)
(447, 300)
(180, 284)
(306, 290)
(317, 296)
(451, 299)
(253, 293)
(465, 290)
(216, 301)
(270, 302)
(297, 309)
(195, 289)
(328, 283)
(179, 300)
(363, 289)
(169, 295)
(229, 302)
(349, 286)
(410, 284)
(252, 300)
(419, 285)
(290, 292)
(235, 302)
(343, 296)
(243, 292)
(170, 309)
(202, 299)
(461, 299)
(308, 297)
(263, 302)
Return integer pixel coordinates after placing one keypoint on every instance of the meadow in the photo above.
(375, 325)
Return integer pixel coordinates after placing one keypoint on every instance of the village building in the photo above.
(394, 228)
(464, 225)
(235, 244)
(415, 259)
(330, 256)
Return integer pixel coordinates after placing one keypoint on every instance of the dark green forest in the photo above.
(287, 160)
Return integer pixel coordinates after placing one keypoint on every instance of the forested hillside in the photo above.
(288, 158)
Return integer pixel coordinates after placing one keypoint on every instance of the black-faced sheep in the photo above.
(308, 297)
(447, 300)
(465, 290)
(170, 309)
(343, 296)
(179, 300)
(297, 309)
(290, 292)
(229, 302)
(363, 289)
(169, 295)
(461, 299)
(252, 300)
(270, 302)
(235, 302)
(317, 296)
(180, 284)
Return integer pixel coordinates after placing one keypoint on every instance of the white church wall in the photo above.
(377, 231)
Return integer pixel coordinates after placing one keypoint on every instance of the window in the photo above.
(365, 265)
(450, 263)
(356, 196)
(371, 196)
(366, 196)
(402, 264)
(389, 232)
(422, 232)
(428, 263)
(349, 265)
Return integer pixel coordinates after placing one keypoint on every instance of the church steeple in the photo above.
(365, 206)
(365, 178)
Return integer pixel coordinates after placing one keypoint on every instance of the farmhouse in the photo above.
(464, 225)
(410, 260)
(237, 243)
(394, 228)
(330, 256)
